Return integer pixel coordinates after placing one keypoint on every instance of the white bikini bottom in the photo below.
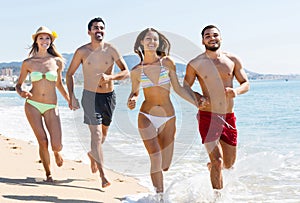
(157, 121)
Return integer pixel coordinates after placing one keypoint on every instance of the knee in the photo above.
(156, 162)
(228, 164)
(166, 169)
(57, 148)
(97, 136)
(43, 144)
(217, 163)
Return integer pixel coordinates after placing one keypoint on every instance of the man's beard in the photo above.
(212, 48)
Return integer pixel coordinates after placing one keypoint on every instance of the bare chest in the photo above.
(214, 69)
(43, 65)
(98, 62)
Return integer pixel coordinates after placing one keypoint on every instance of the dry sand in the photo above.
(22, 175)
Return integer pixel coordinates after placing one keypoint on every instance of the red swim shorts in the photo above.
(213, 126)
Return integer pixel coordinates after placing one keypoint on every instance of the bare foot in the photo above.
(49, 179)
(105, 182)
(58, 159)
(94, 167)
(209, 166)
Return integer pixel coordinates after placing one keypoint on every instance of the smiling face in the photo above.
(97, 31)
(43, 41)
(150, 41)
(212, 39)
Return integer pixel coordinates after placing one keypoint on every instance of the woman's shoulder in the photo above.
(167, 59)
(136, 70)
(28, 61)
(168, 62)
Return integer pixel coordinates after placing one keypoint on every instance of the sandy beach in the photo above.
(22, 175)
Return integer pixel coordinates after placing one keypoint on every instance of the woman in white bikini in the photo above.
(44, 65)
(156, 121)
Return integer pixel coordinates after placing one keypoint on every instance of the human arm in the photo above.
(189, 79)
(118, 59)
(23, 74)
(59, 83)
(135, 86)
(76, 61)
(241, 77)
(185, 93)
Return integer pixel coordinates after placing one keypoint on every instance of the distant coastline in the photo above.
(9, 72)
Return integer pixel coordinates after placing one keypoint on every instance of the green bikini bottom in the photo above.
(42, 107)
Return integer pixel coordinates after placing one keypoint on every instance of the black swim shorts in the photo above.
(98, 107)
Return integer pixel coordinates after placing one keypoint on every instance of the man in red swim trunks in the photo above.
(215, 71)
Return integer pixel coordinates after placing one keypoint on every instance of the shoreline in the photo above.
(22, 177)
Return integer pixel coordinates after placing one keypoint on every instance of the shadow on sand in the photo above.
(36, 182)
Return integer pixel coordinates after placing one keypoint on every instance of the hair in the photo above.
(97, 19)
(51, 50)
(208, 27)
(162, 50)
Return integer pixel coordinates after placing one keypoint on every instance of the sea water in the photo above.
(267, 168)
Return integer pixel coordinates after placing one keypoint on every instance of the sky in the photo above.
(265, 34)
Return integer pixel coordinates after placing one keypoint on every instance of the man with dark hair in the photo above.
(215, 71)
(98, 98)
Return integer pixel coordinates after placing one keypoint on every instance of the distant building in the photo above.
(7, 72)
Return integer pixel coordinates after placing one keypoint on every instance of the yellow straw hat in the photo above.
(46, 30)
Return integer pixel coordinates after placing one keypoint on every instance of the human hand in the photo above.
(131, 103)
(26, 94)
(74, 104)
(230, 92)
(104, 78)
(202, 101)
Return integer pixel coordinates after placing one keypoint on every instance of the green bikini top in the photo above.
(50, 75)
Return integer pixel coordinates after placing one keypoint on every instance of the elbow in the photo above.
(126, 74)
(247, 86)
(178, 90)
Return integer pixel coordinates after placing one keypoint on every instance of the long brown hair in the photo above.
(51, 50)
(162, 50)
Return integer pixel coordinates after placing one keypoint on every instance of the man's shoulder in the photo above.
(231, 56)
(109, 46)
(84, 47)
(198, 59)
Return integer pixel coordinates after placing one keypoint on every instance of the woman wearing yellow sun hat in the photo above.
(45, 65)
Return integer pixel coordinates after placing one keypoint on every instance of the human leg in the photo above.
(53, 125)
(94, 167)
(149, 135)
(166, 136)
(229, 140)
(229, 154)
(216, 165)
(105, 105)
(35, 120)
(104, 133)
(96, 153)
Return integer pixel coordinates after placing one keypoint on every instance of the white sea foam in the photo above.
(267, 166)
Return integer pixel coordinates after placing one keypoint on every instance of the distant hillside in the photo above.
(132, 60)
